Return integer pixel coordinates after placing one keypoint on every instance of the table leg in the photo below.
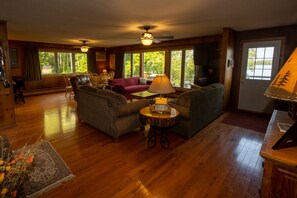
(152, 136)
(153, 133)
(164, 139)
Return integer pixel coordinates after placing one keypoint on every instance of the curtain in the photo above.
(206, 63)
(119, 65)
(32, 64)
(91, 59)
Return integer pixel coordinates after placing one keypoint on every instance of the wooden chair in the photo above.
(111, 75)
(68, 87)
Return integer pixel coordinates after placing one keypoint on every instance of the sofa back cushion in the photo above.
(115, 98)
(119, 81)
(89, 88)
(132, 81)
(185, 98)
(203, 93)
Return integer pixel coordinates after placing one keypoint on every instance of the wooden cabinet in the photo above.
(280, 166)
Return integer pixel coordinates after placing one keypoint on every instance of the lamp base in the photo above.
(293, 110)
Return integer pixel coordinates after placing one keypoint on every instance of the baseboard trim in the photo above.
(43, 91)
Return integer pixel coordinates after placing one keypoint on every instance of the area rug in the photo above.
(248, 120)
(49, 171)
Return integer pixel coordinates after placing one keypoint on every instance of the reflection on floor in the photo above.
(219, 161)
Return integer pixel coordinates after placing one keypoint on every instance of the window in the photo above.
(153, 64)
(52, 62)
(259, 63)
(132, 65)
(189, 69)
(182, 68)
(65, 63)
(176, 66)
(47, 62)
(80, 61)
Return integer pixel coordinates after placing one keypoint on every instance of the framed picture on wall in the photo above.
(13, 53)
(100, 56)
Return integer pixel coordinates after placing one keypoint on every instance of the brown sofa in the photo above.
(108, 111)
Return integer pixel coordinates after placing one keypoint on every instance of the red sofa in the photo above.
(126, 86)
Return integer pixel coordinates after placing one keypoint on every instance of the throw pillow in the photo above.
(142, 81)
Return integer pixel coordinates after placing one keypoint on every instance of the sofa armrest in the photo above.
(129, 108)
(118, 88)
(183, 111)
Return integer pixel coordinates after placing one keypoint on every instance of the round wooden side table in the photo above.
(159, 123)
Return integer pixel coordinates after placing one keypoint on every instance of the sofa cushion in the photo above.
(129, 108)
(132, 81)
(89, 88)
(119, 81)
(185, 98)
(136, 88)
(120, 98)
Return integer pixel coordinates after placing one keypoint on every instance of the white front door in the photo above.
(260, 62)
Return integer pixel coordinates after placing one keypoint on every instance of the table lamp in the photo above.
(161, 85)
(284, 87)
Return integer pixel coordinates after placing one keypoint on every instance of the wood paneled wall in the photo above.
(286, 33)
(227, 64)
(7, 109)
(49, 83)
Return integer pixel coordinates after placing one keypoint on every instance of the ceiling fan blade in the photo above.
(164, 37)
(156, 41)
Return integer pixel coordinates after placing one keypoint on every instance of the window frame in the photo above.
(183, 63)
(56, 51)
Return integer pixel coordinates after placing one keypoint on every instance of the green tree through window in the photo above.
(80, 62)
(189, 69)
(176, 66)
(67, 62)
(153, 63)
(47, 62)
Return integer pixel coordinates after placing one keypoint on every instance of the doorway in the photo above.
(260, 61)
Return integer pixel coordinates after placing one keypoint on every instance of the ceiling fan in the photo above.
(84, 47)
(147, 37)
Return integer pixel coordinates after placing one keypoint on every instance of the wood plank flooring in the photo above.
(220, 161)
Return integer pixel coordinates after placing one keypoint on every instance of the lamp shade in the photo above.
(284, 85)
(161, 85)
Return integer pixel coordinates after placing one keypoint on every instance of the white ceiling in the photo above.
(107, 23)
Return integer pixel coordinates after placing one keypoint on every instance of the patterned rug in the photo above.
(49, 171)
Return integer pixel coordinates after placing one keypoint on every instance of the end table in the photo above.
(159, 123)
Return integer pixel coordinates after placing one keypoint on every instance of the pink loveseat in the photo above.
(126, 86)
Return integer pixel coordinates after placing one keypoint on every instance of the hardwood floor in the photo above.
(220, 161)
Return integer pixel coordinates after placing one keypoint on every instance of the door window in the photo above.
(259, 63)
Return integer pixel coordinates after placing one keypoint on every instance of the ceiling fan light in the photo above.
(147, 38)
(146, 41)
(84, 48)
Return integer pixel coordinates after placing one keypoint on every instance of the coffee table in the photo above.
(142, 95)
